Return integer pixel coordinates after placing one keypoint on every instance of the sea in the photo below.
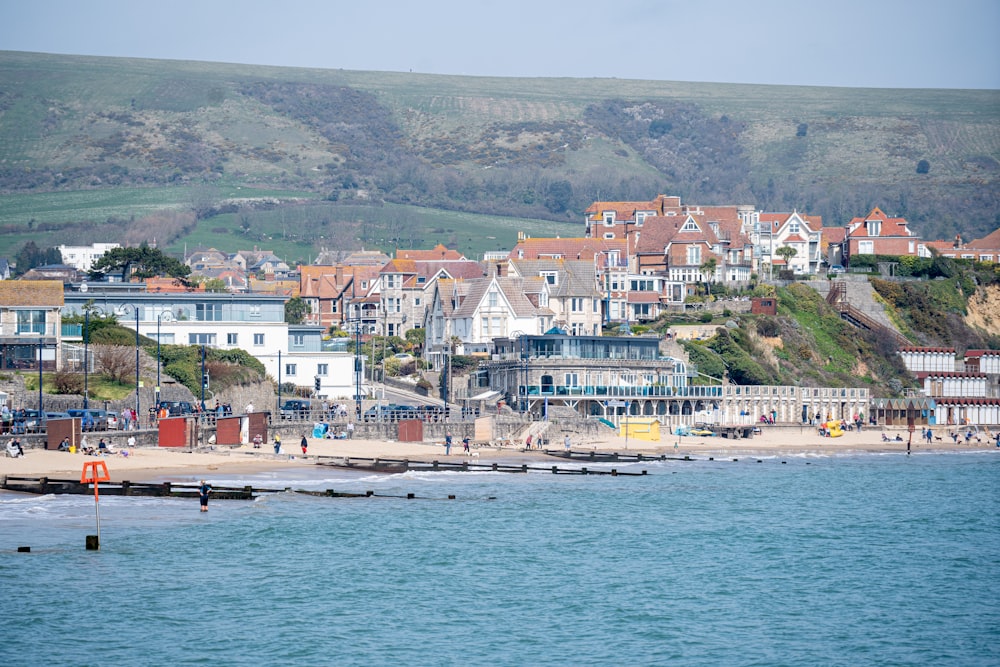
(872, 559)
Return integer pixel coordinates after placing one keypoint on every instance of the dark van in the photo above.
(295, 408)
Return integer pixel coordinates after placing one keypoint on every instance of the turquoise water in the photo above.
(868, 560)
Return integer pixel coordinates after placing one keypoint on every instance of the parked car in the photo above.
(295, 408)
(178, 408)
(836, 268)
(93, 419)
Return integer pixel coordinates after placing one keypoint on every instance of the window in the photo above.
(298, 340)
(609, 219)
(208, 312)
(572, 380)
(874, 227)
(793, 228)
(694, 254)
(31, 322)
(255, 311)
(596, 306)
(231, 339)
(493, 299)
(551, 277)
(258, 339)
(640, 218)
(416, 301)
(201, 339)
(866, 247)
(322, 369)
(609, 235)
(576, 305)
(690, 226)
(291, 369)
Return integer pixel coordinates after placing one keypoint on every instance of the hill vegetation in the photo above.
(195, 152)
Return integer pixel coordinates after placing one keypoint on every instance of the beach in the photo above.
(149, 463)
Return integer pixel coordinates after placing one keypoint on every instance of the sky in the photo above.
(851, 43)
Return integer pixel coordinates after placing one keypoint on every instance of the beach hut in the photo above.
(640, 428)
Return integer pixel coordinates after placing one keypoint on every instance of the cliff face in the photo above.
(984, 310)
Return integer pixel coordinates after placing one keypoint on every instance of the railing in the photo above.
(601, 391)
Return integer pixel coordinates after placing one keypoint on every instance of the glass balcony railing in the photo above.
(602, 391)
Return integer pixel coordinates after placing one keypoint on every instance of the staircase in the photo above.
(535, 430)
(855, 301)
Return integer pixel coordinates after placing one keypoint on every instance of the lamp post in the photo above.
(203, 379)
(41, 408)
(168, 316)
(357, 367)
(86, 357)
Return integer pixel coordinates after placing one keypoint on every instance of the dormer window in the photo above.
(874, 227)
(793, 228)
(551, 277)
(609, 219)
(640, 218)
(690, 226)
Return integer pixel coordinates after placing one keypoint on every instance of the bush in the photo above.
(705, 317)
(768, 327)
(65, 382)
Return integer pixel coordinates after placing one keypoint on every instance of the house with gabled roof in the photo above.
(793, 230)
(406, 285)
(880, 234)
(623, 219)
(986, 249)
(574, 296)
(678, 247)
(466, 315)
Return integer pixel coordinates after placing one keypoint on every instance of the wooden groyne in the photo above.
(47, 485)
(406, 465)
(611, 457)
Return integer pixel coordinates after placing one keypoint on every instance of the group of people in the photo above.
(466, 444)
(14, 449)
(13, 421)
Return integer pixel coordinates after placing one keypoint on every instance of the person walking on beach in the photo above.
(465, 445)
(305, 445)
(566, 442)
(350, 430)
(257, 441)
(277, 443)
(527, 442)
(203, 492)
(447, 445)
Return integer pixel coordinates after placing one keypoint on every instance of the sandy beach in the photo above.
(148, 463)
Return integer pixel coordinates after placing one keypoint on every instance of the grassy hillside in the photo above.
(95, 139)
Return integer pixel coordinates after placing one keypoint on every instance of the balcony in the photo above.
(603, 391)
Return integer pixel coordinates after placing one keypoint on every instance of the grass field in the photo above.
(143, 116)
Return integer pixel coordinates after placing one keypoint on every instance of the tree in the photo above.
(923, 167)
(142, 262)
(30, 256)
(786, 252)
(214, 285)
(296, 310)
(708, 270)
(416, 338)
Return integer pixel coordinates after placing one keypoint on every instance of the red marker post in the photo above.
(94, 472)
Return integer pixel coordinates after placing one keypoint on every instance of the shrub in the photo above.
(65, 382)
(705, 317)
(768, 327)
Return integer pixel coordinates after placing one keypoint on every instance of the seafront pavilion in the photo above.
(609, 377)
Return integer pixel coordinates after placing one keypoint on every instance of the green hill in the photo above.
(92, 147)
